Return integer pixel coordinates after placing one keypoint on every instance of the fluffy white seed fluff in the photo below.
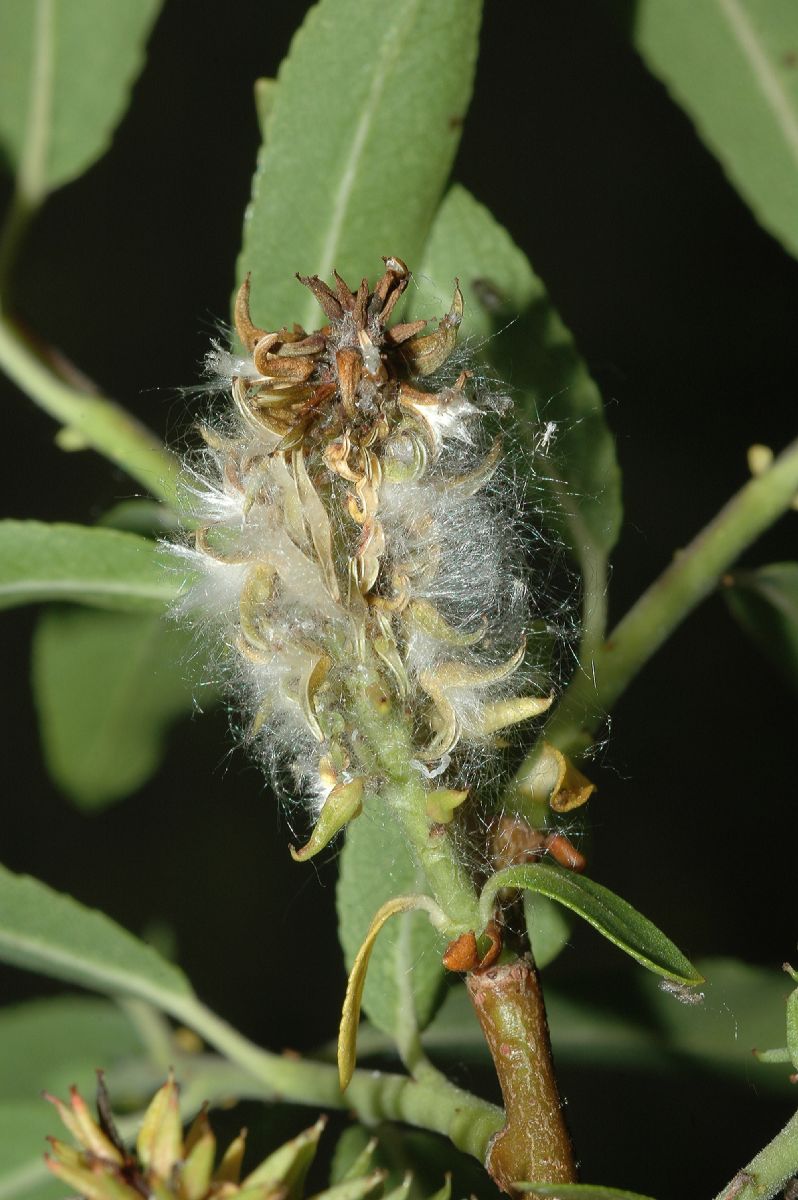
(356, 531)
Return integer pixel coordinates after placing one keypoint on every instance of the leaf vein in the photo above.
(764, 74)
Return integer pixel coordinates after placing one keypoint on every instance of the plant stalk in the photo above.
(101, 423)
(769, 1170)
(534, 1142)
(390, 744)
(692, 575)
(375, 1096)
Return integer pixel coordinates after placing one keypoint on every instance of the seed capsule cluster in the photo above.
(353, 541)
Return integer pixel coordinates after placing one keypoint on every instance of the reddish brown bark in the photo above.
(534, 1143)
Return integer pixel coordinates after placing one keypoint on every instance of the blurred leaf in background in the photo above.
(107, 687)
(765, 604)
(733, 66)
(66, 71)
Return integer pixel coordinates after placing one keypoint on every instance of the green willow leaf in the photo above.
(730, 65)
(579, 1191)
(405, 978)
(107, 687)
(99, 567)
(265, 95)
(535, 355)
(45, 931)
(765, 603)
(66, 70)
(601, 908)
(51, 1044)
(23, 1128)
(364, 126)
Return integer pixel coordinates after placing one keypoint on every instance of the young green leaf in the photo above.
(765, 603)
(350, 1015)
(42, 930)
(107, 687)
(730, 65)
(51, 1044)
(353, 1154)
(601, 908)
(66, 70)
(535, 355)
(287, 1166)
(364, 127)
(100, 567)
(405, 978)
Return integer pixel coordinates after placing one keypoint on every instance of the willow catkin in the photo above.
(355, 549)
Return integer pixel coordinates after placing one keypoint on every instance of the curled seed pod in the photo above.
(355, 549)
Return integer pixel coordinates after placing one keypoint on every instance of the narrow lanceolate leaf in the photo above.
(45, 931)
(66, 70)
(578, 1191)
(350, 1016)
(765, 603)
(731, 65)
(107, 688)
(100, 567)
(405, 979)
(364, 126)
(577, 480)
(601, 908)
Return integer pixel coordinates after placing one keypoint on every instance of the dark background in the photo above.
(685, 310)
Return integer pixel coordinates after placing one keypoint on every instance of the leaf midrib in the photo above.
(111, 980)
(54, 588)
(764, 75)
(32, 168)
(390, 53)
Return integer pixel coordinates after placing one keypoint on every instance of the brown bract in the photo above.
(346, 378)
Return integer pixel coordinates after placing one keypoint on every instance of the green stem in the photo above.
(30, 187)
(693, 574)
(767, 1173)
(594, 605)
(431, 845)
(18, 217)
(388, 740)
(153, 1029)
(433, 1104)
(101, 423)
